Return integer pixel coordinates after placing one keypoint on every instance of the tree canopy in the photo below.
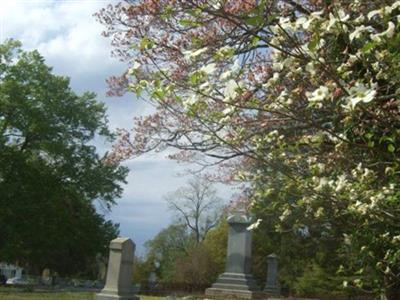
(297, 99)
(50, 171)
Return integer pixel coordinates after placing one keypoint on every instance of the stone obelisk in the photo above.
(237, 281)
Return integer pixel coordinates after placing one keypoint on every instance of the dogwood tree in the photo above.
(298, 98)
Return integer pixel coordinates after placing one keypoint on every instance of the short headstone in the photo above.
(119, 272)
(272, 285)
(237, 281)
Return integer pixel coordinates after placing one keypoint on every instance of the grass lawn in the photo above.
(56, 296)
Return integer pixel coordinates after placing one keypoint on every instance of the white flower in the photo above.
(136, 65)
(205, 87)
(396, 239)
(189, 54)
(208, 69)
(321, 167)
(134, 68)
(359, 19)
(360, 93)
(323, 182)
(282, 96)
(310, 68)
(286, 213)
(342, 17)
(341, 183)
(188, 102)
(286, 24)
(216, 4)
(301, 22)
(225, 75)
(361, 208)
(236, 67)
(358, 31)
(234, 70)
(319, 213)
(230, 89)
(318, 95)
(304, 22)
(352, 59)
(230, 109)
(388, 33)
(274, 79)
(395, 5)
(373, 13)
(277, 66)
(254, 225)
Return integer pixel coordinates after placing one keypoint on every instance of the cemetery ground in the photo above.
(7, 294)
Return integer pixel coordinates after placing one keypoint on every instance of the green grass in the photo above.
(45, 296)
(4, 295)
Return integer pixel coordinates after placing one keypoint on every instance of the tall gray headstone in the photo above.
(272, 285)
(237, 282)
(119, 272)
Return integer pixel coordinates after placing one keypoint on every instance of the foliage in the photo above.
(215, 244)
(315, 281)
(298, 99)
(141, 269)
(50, 173)
(165, 248)
(196, 269)
(177, 258)
(183, 253)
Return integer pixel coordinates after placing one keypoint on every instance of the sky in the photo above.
(68, 36)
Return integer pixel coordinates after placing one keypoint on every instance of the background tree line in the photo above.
(51, 174)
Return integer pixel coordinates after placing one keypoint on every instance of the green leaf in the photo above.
(189, 23)
(369, 135)
(391, 148)
(254, 21)
(312, 45)
(367, 47)
(146, 43)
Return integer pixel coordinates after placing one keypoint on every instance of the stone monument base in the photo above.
(112, 296)
(235, 286)
(272, 290)
(223, 294)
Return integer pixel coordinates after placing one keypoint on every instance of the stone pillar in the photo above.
(237, 282)
(119, 272)
(272, 286)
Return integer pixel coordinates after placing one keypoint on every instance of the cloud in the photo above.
(66, 34)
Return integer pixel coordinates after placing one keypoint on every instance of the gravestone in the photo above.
(152, 281)
(272, 286)
(237, 281)
(119, 272)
